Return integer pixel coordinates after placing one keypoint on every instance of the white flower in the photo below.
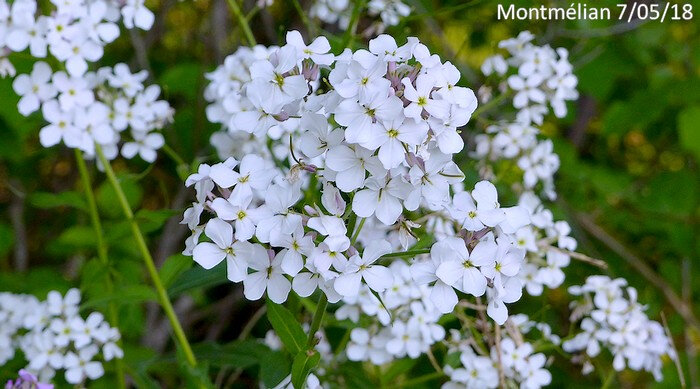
(377, 277)
(254, 173)
(457, 264)
(494, 64)
(236, 253)
(382, 198)
(63, 305)
(297, 244)
(405, 341)
(350, 163)
(268, 276)
(317, 50)
(35, 89)
(333, 228)
(421, 99)
(80, 366)
(76, 53)
(526, 90)
(144, 144)
(505, 260)
(360, 117)
(278, 200)
(270, 77)
(317, 136)
(485, 213)
(392, 137)
(136, 14)
(73, 91)
(386, 48)
(123, 79)
(245, 217)
(504, 291)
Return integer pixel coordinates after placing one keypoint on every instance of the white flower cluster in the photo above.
(614, 320)
(543, 78)
(381, 130)
(331, 166)
(547, 244)
(521, 365)
(74, 32)
(53, 336)
(339, 11)
(96, 108)
(404, 320)
(519, 362)
(390, 11)
(332, 12)
(481, 257)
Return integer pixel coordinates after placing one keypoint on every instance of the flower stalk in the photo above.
(162, 294)
(101, 252)
(236, 9)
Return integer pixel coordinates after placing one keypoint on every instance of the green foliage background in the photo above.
(629, 150)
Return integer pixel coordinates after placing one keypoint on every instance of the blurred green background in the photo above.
(628, 183)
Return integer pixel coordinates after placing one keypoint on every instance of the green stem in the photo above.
(317, 320)
(174, 155)
(609, 380)
(92, 207)
(409, 253)
(491, 104)
(101, 253)
(354, 19)
(357, 231)
(163, 298)
(304, 18)
(343, 342)
(182, 168)
(236, 9)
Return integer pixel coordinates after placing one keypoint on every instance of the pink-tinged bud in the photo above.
(310, 71)
(225, 193)
(310, 168)
(282, 116)
(310, 210)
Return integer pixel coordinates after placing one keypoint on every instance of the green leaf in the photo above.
(198, 277)
(195, 377)
(72, 238)
(238, 354)
(303, 363)
(67, 198)
(182, 79)
(107, 199)
(286, 327)
(173, 267)
(669, 193)
(131, 294)
(150, 220)
(397, 368)
(689, 130)
(274, 368)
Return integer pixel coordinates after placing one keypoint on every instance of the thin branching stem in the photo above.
(101, 253)
(317, 320)
(162, 294)
(236, 10)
